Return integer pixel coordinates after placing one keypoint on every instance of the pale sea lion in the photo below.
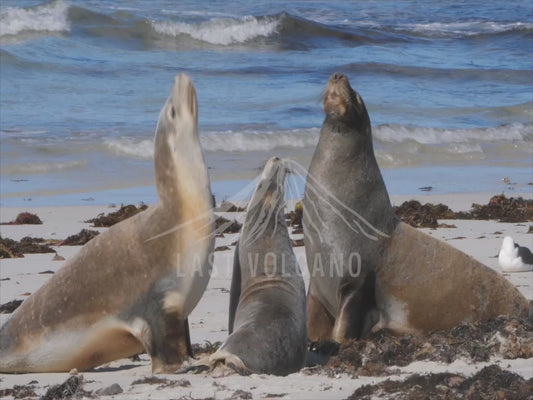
(132, 287)
(368, 269)
(267, 316)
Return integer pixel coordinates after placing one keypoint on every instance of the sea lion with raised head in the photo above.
(368, 269)
(267, 316)
(132, 287)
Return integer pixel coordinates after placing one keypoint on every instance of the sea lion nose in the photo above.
(337, 77)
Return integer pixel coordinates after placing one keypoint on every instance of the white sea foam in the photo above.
(259, 141)
(396, 144)
(468, 28)
(51, 17)
(223, 141)
(131, 147)
(41, 168)
(221, 31)
(431, 136)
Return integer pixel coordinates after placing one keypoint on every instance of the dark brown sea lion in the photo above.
(368, 269)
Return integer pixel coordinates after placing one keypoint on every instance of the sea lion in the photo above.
(368, 269)
(267, 316)
(132, 287)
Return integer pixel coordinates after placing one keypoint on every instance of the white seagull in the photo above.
(515, 258)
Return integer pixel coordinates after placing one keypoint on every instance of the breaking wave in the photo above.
(283, 29)
(394, 133)
(221, 31)
(42, 168)
(50, 17)
(390, 138)
(466, 28)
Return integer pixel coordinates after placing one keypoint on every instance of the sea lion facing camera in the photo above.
(132, 287)
(368, 269)
(267, 317)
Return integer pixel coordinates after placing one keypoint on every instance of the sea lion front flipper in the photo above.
(225, 363)
(172, 346)
(235, 290)
(319, 321)
(357, 312)
(220, 363)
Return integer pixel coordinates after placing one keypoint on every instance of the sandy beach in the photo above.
(20, 277)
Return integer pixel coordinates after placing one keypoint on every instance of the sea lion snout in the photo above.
(274, 166)
(336, 77)
(337, 99)
(183, 102)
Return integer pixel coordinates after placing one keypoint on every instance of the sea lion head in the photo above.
(344, 107)
(177, 152)
(179, 116)
(264, 214)
(271, 188)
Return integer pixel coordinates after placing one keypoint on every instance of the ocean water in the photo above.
(448, 85)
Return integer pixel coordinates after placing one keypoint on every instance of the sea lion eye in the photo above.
(172, 112)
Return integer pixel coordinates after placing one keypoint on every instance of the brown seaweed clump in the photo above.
(80, 238)
(9, 307)
(25, 218)
(502, 209)
(72, 387)
(207, 348)
(499, 208)
(490, 383)
(19, 391)
(104, 221)
(224, 225)
(423, 216)
(10, 248)
(162, 382)
(509, 337)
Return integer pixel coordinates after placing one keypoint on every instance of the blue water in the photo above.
(448, 85)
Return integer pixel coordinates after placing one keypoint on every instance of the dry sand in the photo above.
(208, 322)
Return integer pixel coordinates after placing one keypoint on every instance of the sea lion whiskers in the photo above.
(184, 225)
(261, 217)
